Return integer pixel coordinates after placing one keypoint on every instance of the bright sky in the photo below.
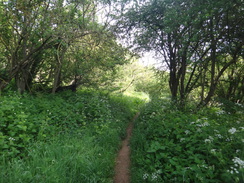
(147, 59)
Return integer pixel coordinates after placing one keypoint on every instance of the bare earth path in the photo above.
(122, 174)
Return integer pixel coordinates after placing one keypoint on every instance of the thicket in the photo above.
(174, 145)
(48, 45)
(67, 137)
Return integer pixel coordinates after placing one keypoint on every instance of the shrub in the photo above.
(67, 137)
(174, 146)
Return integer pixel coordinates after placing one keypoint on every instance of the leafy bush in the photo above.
(27, 118)
(24, 119)
(174, 146)
(67, 137)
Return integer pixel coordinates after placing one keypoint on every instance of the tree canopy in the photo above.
(53, 43)
(57, 43)
(198, 40)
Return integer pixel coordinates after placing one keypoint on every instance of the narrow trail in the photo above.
(122, 169)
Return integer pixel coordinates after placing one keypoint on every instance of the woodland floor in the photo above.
(122, 169)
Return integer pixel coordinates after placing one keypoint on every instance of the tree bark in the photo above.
(59, 59)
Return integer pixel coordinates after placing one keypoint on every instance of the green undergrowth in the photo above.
(171, 145)
(66, 137)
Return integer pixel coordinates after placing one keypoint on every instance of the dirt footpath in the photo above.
(122, 169)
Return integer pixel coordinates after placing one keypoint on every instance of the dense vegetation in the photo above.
(200, 43)
(47, 45)
(66, 137)
(171, 145)
(191, 123)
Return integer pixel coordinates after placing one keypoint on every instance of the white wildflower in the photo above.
(230, 171)
(220, 104)
(158, 171)
(228, 139)
(238, 161)
(187, 132)
(211, 138)
(198, 120)
(207, 141)
(204, 166)
(11, 139)
(182, 139)
(213, 151)
(199, 130)
(219, 136)
(220, 112)
(239, 104)
(145, 176)
(154, 176)
(217, 131)
(232, 130)
(205, 124)
(234, 170)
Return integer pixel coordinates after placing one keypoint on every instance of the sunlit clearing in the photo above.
(141, 95)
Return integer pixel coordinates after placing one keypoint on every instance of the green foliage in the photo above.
(75, 158)
(135, 78)
(169, 145)
(197, 40)
(230, 86)
(28, 118)
(63, 137)
(59, 43)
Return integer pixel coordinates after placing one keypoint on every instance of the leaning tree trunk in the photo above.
(59, 59)
(57, 76)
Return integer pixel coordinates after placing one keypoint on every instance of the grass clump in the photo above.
(170, 145)
(66, 158)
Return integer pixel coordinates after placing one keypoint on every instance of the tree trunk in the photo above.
(182, 74)
(213, 83)
(59, 58)
(202, 82)
(173, 83)
(57, 76)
